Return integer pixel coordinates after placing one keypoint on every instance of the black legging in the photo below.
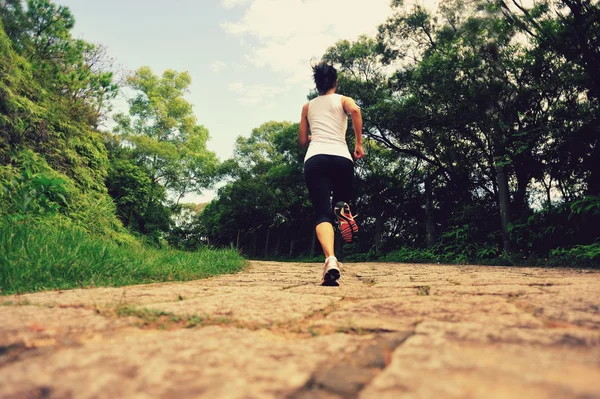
(324, 174)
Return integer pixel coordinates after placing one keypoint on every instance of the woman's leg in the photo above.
(342, 183)
(326, 237)
(316, 173)
(342, 177)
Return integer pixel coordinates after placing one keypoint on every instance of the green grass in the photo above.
(47, 254)
(423, 290)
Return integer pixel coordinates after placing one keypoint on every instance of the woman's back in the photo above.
(328, 123)
(327, 119)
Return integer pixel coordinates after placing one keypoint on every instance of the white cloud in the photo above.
(233, 3)
(218, 66)
(236, 87)
(254, 94)
(292, 32)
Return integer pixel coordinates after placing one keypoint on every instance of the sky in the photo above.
(249, 59)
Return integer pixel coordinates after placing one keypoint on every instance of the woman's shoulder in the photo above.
(305, 109)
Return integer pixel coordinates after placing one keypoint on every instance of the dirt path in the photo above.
(389, 331)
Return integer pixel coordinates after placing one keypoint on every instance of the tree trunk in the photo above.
(253, 249)
(267, 243)
(378, 233)
(129, 218)
(378, 223)
(548, 189)
(429, 218)
(499, 141)
(277, 245)
(312, 245)
(593, 181)
(504, 204)
(521, 206)
(292, 244)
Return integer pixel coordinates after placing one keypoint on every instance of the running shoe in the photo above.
(331, 272)
(348, 226)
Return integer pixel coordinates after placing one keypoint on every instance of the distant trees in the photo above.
(159, 154)
(264, 206)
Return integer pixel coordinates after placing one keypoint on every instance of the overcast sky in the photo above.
(249, 59)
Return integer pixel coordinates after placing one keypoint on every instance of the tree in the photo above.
(67, 84)
(140, 203)
(461, 102)
(266, 192)
(568, 31)
(164, 132)
(45, 138)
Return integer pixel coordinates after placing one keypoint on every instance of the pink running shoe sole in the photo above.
(348, 226)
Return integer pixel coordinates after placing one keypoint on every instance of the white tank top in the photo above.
(328, 123)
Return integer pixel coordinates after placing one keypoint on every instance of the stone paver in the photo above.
(388, 331)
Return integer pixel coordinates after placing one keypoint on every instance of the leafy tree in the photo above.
(164, 132)
(139, 201)
(67, 89)
(485, 114)
(186, 232)
(79, 73)
(388, 200)
(266, 194)
(567, 31)
(40, 134)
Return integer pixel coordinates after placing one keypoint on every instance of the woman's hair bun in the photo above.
(325, 77)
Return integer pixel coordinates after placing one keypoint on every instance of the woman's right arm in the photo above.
(303, 136)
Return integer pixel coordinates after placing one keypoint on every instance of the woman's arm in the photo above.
(303, 136)
(350, 107)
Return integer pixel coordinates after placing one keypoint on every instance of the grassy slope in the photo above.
(42, 254)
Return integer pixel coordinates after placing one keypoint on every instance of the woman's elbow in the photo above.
(304, 141)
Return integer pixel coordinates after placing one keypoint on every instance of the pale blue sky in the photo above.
(249, 59)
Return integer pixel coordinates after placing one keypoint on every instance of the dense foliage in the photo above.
(52, 97)
(74, 198)
(55, 92)
(483, 120)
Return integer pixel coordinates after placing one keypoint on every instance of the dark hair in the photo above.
(325, 77)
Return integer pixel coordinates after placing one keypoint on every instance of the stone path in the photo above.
(389, 331)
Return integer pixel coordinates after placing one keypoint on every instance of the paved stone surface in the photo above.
(388, 331)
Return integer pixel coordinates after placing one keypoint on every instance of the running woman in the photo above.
(328, 165)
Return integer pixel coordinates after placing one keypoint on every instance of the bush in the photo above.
(411, 255)
(29, 187)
